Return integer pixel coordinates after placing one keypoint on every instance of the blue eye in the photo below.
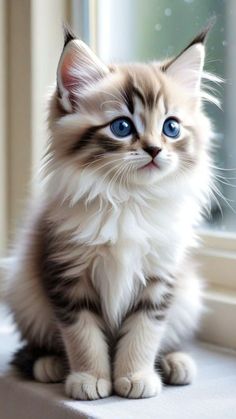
(122, 127)
(171, 128)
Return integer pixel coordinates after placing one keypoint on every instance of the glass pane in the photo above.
(131, 30)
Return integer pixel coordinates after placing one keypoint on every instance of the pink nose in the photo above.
(152, 150)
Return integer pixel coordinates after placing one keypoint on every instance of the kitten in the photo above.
(102, 286)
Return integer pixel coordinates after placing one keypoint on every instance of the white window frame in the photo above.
(3, 128)
(217, 259)
(24, 80)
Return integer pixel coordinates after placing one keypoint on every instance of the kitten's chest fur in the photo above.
(140, 250)
(123, 245)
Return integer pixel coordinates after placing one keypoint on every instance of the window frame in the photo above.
(217, 260)
(218, 256)
(3, 128)
(22, 121)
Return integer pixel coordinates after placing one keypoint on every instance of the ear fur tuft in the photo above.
(187, 67)
(201, 37)
(78, 69)
(68, 34)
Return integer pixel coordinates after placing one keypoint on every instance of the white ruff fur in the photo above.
(132, 233)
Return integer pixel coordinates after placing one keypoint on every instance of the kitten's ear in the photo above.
(78, 69)
(187, 67)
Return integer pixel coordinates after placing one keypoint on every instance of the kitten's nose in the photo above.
(152, 150)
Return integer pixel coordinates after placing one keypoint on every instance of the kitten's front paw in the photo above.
(83, 386)
(138, 385)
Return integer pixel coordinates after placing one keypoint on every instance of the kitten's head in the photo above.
(127, 126)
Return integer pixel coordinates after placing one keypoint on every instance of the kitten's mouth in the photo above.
(152, 165)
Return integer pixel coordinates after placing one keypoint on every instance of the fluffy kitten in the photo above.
(102, 287)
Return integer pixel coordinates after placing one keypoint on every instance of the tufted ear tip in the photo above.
(186, 68)
(68, 34)
(201, 37)
(78, 69)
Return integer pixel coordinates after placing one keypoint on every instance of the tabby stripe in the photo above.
(107, 143)
(150, 99)
(153, 310)
(58, 287)
(85, 138)
(127, 93)
(147, 305)
(67, 310)
(139, 94)
(159, 94)
(169, 280)
(53, 275)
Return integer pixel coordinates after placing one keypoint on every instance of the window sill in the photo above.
(217, 322)
(213, 392)
(217, 257)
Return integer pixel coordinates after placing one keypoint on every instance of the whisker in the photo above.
(226, 201)
(222, 169)
(212, 194)
(224, 177)
(104, 165)
(225, 183)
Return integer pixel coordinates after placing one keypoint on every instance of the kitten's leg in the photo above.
(82, 331)
(178, 368)
(78, 313)
(87, 350)
(134, 374)
(183, 318)
(140, 338)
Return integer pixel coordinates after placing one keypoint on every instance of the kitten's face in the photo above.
(130, 124)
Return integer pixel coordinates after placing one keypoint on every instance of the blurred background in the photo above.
(118, 30)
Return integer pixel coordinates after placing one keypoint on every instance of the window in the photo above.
(30, 46)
